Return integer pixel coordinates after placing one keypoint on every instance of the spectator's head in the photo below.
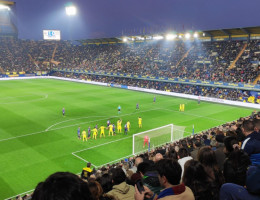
(88, 164)
(106, 182)
(183, 152)
(158, 157)
(143, 167)
(60, 186)
(220, 138)
(118, 176)
(169, 172)
(194, 172)
(197, 144)
(95, 189)
(172, 154)
(257, 125)
(138, 160)
(231, 144)
(248, 127)
(207, 157)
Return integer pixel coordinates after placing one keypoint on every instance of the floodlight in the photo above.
(71, 10)
(158, 37)
(171, 37)
(195, 35)
(140, 38)
(3, 7)
(180, 36)
(203, 34)
(187, 36)
(125, 39)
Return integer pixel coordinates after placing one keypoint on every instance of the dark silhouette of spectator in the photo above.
(199, 182)
(62, 186)
(236, 164)
(208, 159)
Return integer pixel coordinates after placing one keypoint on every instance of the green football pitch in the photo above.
(36, 140)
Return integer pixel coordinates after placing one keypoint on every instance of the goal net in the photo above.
(156, 137)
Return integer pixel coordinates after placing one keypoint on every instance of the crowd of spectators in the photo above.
(178, 59)
(220, 163)
(207, 91)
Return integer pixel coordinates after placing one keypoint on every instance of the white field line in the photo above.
(115, 160)
(71, 125)
(185, 113)
(70, 120)
(28, 192)
(42, 98)
(82, 159)
(102, 144)
(10, 97)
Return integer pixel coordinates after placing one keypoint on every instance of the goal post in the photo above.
(157, 137)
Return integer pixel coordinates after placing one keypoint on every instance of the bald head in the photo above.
(158, 157)
(138, 160)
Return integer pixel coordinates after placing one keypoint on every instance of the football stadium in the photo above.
(142, 116)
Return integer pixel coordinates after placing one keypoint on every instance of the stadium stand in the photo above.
(225, 61)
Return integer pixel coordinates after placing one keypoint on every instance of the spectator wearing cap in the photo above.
(219, 152)
(251, 144)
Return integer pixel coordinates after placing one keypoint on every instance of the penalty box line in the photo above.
(75, 152)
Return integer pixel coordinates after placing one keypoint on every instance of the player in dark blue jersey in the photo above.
(89, 132)
(126, 129)
(79, 132)
(63, 111)
(137, 106)
(154, 99)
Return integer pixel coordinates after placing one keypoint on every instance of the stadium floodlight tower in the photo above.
(8, 25)
(71, 10)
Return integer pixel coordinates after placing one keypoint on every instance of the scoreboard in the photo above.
(51, 35)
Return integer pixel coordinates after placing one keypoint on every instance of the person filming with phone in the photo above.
(169, 174)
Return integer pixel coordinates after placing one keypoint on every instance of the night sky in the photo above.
(113, 18)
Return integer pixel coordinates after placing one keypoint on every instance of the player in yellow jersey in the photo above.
(128, 125)
(110, 127)
(84, 135)
(95, 133)
(102, 131)
(119, 126)
(140, 122)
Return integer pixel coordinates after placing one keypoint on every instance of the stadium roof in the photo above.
(7, 2)
(101, 41)
(235, 32)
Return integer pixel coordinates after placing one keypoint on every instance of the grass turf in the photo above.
(36, 140)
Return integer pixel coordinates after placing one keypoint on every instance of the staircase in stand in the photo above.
(184, 56)
(233, 64)
(257, 79)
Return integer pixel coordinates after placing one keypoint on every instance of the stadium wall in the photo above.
(188, 96)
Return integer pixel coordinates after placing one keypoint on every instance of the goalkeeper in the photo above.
(146, 141)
